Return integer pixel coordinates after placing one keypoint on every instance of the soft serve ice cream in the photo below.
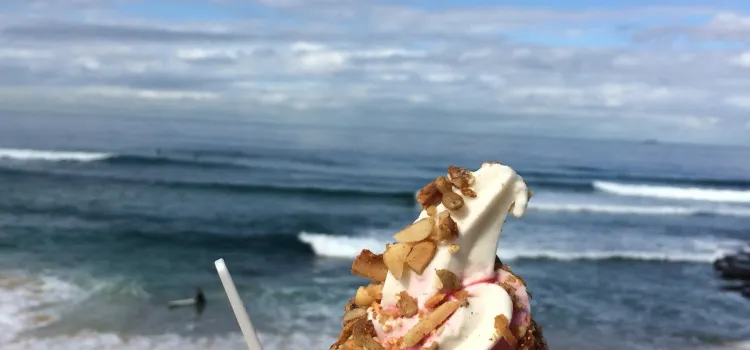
(440, 286)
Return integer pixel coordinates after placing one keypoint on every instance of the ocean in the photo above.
(101, 226)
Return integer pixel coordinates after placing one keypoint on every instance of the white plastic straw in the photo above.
(239, 308)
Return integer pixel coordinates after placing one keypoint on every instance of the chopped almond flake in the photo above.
(468, 192)
(351, 345)
(363, 328)
(421, 255)
(447, 229)
(407, 304)
(434, 300)
(346, 332)
(443, 185)
(460, 177)
(428, 324)
(431, 210)
(463, 297)
(375, 290)
(353, 315)
(449, 280)
(501, 328)
(370, 265)
(417, 231)
(395, 258)
(454, 248)
(429, 195)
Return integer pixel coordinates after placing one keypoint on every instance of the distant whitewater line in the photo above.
(673, 192)
(54, 156)
(696, 191)
(660, 210)
(335, 246)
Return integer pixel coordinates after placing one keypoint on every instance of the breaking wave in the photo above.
(699, 251)
(52, 156)
(674, 192)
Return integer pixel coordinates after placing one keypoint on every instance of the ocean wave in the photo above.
(640, 209)
(660, 187)
(177, 158)
(674, 192)
(233, 187)
(52, 156)
(336, 246)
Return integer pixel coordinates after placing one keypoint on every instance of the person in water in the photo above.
(198, 302)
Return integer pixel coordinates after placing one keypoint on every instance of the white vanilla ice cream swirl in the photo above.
(480, 221)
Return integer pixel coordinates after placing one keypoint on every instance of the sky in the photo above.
(665, 69)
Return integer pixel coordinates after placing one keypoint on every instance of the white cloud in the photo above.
(695, 122)
(118, 92)
(739, 101)
(519, 64)
(742, 60)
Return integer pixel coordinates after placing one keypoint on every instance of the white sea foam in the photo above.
(28, 302)
(52, 156)
(641, 209)
(674, 249)
(86, 340)
(674, 192)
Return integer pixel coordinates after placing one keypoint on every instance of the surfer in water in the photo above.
(198, 302)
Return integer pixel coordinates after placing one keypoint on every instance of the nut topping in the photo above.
(502, 329)
(375, 290)
(421, 255)
(370, 265)
(407, 304)
(363, 298)
(428, 324)
(468, 192)
(417, 231)
(449, 280)
(447, 229)
(429, 195)
(353, 315)
(460, 177)
(453, 201)
(363, 334)
(395, 258)
(443, 185)
(431, 210)
(434, 300)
